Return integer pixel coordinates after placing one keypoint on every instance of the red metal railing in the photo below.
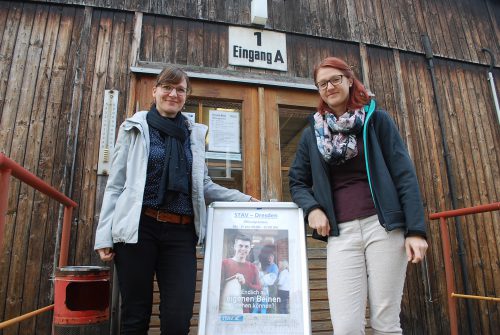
(450, 274)
(10, 168)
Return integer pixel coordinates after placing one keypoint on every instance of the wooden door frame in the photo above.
(270, 154)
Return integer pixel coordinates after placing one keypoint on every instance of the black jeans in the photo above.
(169, 250)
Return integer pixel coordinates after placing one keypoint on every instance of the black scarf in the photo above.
(174, 178)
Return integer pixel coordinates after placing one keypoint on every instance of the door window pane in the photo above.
(224, 142)
(292, 121)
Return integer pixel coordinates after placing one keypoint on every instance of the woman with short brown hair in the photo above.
(154, 208)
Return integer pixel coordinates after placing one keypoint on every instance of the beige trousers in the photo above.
(365, 261)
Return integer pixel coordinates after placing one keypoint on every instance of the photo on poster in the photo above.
(254, 272)
(255, 275)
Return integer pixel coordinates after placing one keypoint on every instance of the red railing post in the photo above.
(450, 281)
(9, 167)
(448, 267)
(4, 190)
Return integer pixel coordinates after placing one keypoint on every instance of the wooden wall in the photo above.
(56, 60)
(458, 29)
(472, 134)
(184, 42)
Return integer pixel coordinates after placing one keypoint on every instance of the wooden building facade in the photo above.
(58, 57)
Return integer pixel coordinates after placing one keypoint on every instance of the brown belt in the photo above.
(168, 217)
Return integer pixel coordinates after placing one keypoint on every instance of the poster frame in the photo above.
(213, 255)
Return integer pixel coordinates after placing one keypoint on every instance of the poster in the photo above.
(224, 131)
(255, 274)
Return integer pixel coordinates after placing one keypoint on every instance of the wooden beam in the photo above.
(136, 40)
(401, 102)
(133, 59)
(262, 142)
(365, 68)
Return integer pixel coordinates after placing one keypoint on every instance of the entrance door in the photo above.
(270, 122)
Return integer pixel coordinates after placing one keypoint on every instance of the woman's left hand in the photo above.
(416, 246)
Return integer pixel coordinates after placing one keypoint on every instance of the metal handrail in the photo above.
(8, 168)
(448, 268)
(495, 206)
(26, 316)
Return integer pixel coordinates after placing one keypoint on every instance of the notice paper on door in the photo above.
(224, 131)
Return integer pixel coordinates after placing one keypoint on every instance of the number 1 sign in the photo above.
(257, 48)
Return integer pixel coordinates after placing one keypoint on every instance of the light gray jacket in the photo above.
(122, 202)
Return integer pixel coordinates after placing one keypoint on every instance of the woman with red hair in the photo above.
(354, 179)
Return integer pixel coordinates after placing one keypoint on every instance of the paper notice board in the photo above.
(239, 294)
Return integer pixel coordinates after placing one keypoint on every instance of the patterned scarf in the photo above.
(336, 137)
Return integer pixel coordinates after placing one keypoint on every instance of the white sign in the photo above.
(224, 131)
(223, 156)
(257, 48)
(255, 278)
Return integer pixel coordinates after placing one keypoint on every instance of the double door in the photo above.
(253, 131)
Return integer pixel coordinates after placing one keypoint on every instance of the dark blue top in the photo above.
(182, 204)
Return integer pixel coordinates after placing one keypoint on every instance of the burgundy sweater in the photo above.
(351, 193)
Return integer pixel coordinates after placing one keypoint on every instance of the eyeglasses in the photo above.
(169, 88)
(335, 80)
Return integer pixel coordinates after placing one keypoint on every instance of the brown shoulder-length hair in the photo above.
(173, 75)
(358, 95)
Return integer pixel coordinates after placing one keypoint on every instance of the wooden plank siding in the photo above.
(56, 61)
(469, 169)
(458, 29)
(475, 159)
(60, 60)
(198, 41)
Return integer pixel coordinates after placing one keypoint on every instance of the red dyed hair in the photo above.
(358, 95)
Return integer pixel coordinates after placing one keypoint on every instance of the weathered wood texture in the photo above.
(192, 45)
(471, 133)
(458, 29)
(56, 61)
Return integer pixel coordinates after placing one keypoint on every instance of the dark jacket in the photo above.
(391, 176)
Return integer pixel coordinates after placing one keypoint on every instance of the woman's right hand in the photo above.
(318, 220)
(106, 254)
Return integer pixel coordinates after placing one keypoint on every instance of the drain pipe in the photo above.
(492, 81)
(451, 179)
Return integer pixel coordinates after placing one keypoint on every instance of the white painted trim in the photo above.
(214, 76)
